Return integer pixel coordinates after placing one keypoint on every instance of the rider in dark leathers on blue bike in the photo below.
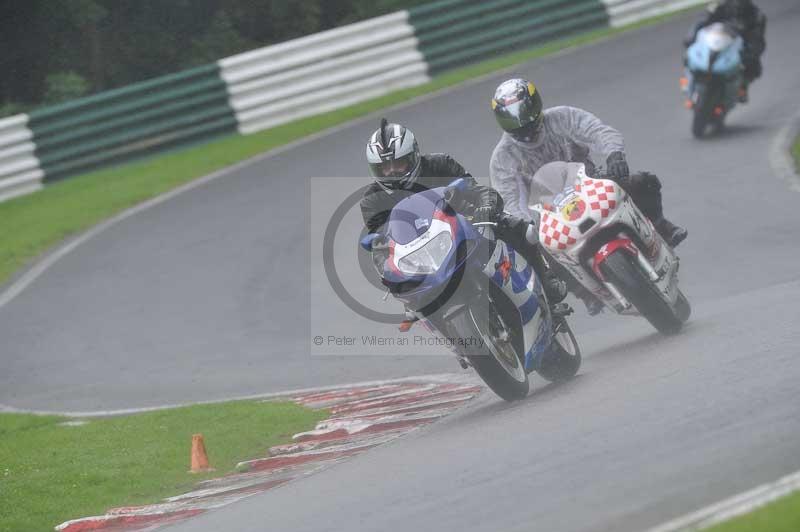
(400, 170)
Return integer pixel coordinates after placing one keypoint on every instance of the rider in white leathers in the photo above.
(534, 136)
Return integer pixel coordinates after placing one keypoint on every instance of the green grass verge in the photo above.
(796, 154)
(782, 515)
(31, 224)
(50, 473)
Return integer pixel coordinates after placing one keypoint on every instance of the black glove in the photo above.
(616, 166)
(484, 214)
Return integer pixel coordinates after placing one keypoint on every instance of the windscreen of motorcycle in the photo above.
(551, 180)
(412, 216)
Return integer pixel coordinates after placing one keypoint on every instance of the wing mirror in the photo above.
(458, 184)
(367, 241)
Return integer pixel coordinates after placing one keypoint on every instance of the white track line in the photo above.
(780, 153)
(734, 506)
(446, 378)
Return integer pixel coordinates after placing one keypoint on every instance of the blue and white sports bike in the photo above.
(474, 290)
(713, 76)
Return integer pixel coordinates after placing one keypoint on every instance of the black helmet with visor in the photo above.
(517, 107)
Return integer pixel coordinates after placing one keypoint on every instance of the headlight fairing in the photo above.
(429, 257)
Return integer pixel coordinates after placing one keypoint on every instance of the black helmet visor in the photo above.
(400, 167)
(513, 113)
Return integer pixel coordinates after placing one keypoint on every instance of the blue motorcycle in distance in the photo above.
(473, 290)
(713, 76)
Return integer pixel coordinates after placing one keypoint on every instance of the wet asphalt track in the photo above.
(201, 298)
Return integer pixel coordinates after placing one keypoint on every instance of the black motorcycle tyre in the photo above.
(501, 382)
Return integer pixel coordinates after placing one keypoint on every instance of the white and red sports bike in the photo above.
(594, 230)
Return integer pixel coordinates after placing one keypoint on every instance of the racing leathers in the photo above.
(436, 170)
(570, 134)
(439, 170)
(751, 24)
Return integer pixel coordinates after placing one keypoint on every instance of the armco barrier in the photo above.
(622, 12)
(274, 85)
(455, 32)
(126, 122)
(19, 168)
(322, 72)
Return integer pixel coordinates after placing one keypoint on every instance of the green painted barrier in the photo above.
(196, 104)
(120, 124)
(452, 33)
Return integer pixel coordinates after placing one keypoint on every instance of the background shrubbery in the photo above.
(55, 50)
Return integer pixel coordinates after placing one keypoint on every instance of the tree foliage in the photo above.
(55, 50)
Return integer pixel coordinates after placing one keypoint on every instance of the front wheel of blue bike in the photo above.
(492, 353)
(563, 359)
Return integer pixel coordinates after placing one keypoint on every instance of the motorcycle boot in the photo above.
(554, 288)
(593, 305)
(671, 233)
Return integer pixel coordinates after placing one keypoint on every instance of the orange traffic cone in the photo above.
(199, 456)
